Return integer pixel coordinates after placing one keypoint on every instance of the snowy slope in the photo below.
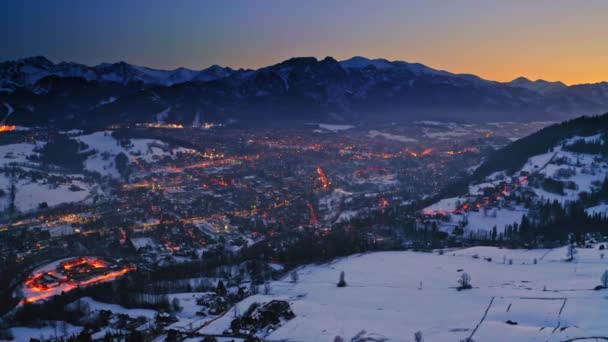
(582, 172)
(394, 294)
(107, 148)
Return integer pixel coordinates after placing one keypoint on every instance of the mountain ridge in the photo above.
(353, 63)
(358, 89)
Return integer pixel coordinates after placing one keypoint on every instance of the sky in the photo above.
(495, 39)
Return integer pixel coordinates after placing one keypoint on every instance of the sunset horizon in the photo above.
(549, 40)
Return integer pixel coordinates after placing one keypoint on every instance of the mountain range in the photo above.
(36, 91)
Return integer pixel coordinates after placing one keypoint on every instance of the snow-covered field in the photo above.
(30, 193)
(117, 309)
(600, 209)
(108, 148)
(50, 331)
(335, 128)
(478, 221)
(395, 294)
(389, 136)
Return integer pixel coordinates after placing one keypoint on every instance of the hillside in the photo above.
(530, 296)
(513, 156)
(536, 190)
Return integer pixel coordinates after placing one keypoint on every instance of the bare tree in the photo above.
(267, 288)
(294, 276)
(253, 288)
(175, 305)
(418, 336)
(464, 281)
(342, 282)
(605, 279)
(572, 252)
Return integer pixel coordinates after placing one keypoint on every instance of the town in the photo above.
(148, 198)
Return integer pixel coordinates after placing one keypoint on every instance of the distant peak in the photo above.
(521, 79)
(329, 59)
(539, 86)
(41, 60)
(362, 62)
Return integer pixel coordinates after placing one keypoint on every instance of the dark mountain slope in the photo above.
(299, 89)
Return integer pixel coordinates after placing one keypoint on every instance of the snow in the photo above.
(45, 332)
(107, 148)
(537, 162)
(109, 100)
(445, 135)
(142, 242)
(162, 117)
(330, 204)
(16, 153)
(347, 215)
(222, 323)
(383, 297)
(335, 128)
(496, 217)
(445, 205)
(9, 111)
(117, 309)
(358, 62)
(400, 138)
(587, 171)
(601, 209)
(30, 194)
(584, 172)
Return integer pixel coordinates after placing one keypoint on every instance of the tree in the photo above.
(572, 252)
(341, 282)
(175, 305)
(6, 334)
(65, 152)
(220, 290)
(267, 288)
(122, 164)
(464, 281)
(12, 207)
(294, 276)
(605, 279)
(418, 336)
(253, 288)
(135, 336)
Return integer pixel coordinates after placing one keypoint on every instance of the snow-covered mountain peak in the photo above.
(539, 86)
(358, 62)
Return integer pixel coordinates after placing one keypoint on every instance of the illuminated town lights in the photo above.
(7, 128)
(426, 152)
(323, 178)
